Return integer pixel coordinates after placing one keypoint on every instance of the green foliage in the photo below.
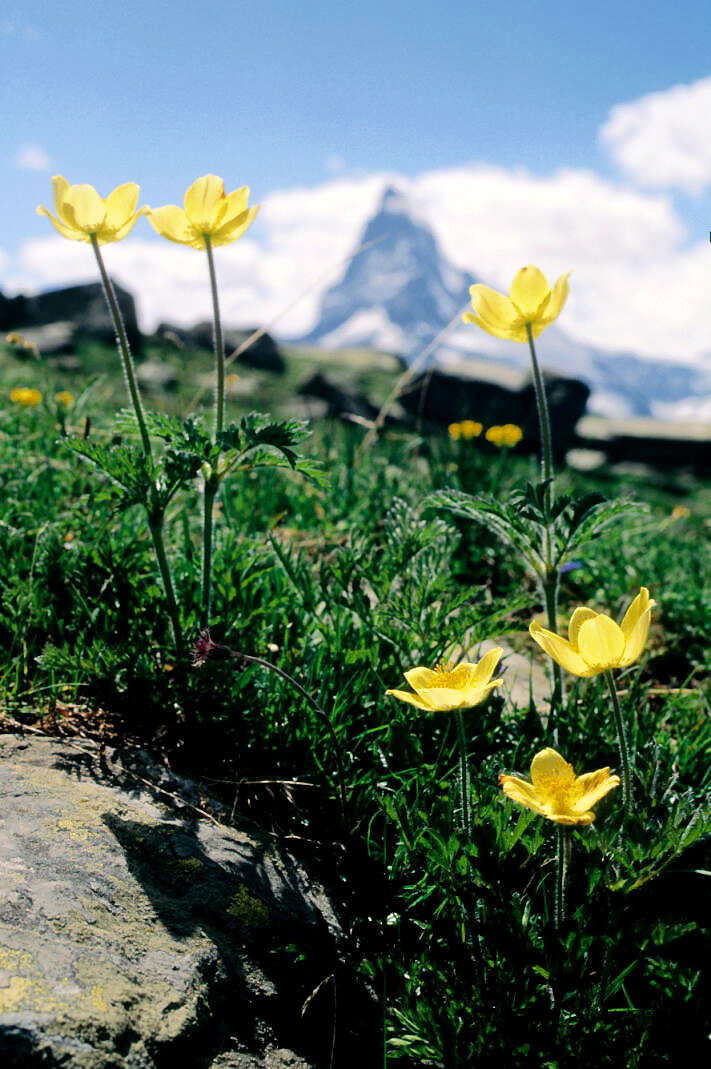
(345, 589)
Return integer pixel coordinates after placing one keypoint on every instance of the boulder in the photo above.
(263, 353)
(157, 377)
(494, 394)
(135, 934)
(84, 306)
(340, 402)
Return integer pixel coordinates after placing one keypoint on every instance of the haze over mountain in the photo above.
(400, 292)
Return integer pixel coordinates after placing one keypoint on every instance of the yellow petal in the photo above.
(580, 615)
(411, 699)
(86, 207)
(121, 204)
(484, 670)
(593, 786)
(443, 698)
(205, 203)
(513, 334)
(637, 607)
(519, 791)
(172, 223)
(127, 226)
(495, 312)
(420, 678)
(477, 694)
(549, 767)
(601, 642)
(234, 204)
(560, 650)
(558, 297)
(59, 188)
(634, 644)
(529, 293)
(64, 230)
(229, 232)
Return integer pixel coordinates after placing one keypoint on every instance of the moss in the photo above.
(248, 909)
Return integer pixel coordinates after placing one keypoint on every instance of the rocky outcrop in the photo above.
(84, 306)
(493, 394)
(136, 935)
(263, 353)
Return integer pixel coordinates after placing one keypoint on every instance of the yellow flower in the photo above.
(530, 301)
(444, 688)
(680, 512)
(25, 396)
(64, 397)
(471, 429)
(505, 436)
(455, 430)
(556, 792)
(208, 212)
(595, 641)
(83, 213)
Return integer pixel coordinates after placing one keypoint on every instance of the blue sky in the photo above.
(289, 96)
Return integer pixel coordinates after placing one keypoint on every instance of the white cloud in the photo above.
(636, 285)
(32, 158)
(661, 140)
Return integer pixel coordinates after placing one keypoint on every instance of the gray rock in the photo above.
(156, 376)
(492, 394)
(52, 338)
(84, 305)
(134, 935)
(263, 353)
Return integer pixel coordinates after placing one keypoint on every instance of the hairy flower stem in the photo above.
(561, 875)
(212, 482)
(474, 941)
(622, 745)
(210, 493)
(123, 347)
(551, 579)
(463, 773)
(156, 528)
(218, 342)
(155, 518)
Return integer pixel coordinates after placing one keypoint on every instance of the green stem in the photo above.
(551, 579)
(156, 528)
(543, 419)
(550, 592)
(155, 521)
(622, 745)
(463, 772)
(211, 488)
(561, 873)
(219, 344)
(123, 347)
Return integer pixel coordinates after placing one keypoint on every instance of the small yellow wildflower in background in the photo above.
(83, 214)
(64, 397)
(505, 437)
(208, 212)
(680, 512)
(455, 431)
(595, 642)
(443, 688)
(19, 341)
(470, 428)
(556, 792)
(530, 302)
(25, 396)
